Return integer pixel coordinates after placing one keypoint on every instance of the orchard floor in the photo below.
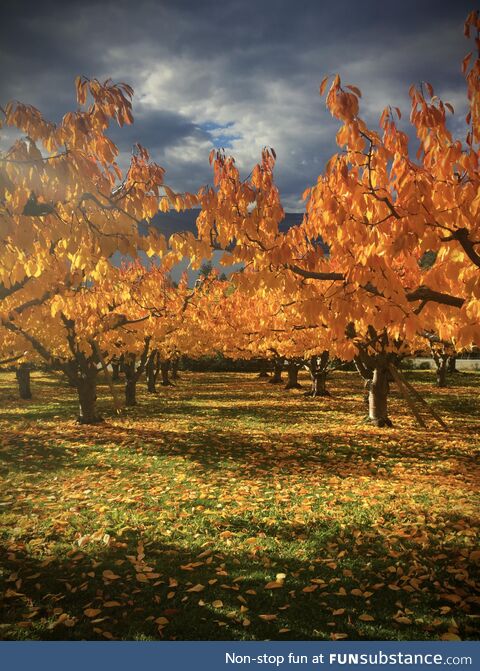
(229, 508)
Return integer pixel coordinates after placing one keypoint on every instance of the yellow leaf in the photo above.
(273, 584)
(339, 611)
(217, 603)
(366, 618)
(267, 618)
(196, 588)
(450, 637)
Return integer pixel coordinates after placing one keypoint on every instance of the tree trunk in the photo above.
(263, 368)
(292, 370)
(130, 381)
(378, 389)
(164, 367)
(87, 397)
(23, 377)
(175, 364)
(442, 373)
(152, 372)
(318, 375)
(452, 364)
(441, 361)
(115, 372)
(319, 382)
(277, 372)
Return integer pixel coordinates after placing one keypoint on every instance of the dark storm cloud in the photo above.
(241, 74)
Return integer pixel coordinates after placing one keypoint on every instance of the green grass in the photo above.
(225, 481)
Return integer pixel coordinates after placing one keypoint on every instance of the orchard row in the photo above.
(385, 264)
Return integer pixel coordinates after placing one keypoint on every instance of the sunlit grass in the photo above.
(222, 483)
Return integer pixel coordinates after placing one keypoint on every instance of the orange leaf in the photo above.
(110, 575)
(92, 612)
(323, 84)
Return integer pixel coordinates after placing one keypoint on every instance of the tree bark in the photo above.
(318, 368)
(23, 377)
(263, 368)
(277, 372)
(87, 396)
(132, 372)
(175, 364)
(115, 371)
(378, 388)
(152, 369)
(319, 381)
(442, 374)
(452, 365)
(164, 368)
(441, 362)
(292, 371)
(130, 380)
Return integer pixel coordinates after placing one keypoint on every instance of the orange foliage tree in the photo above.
(403, 233)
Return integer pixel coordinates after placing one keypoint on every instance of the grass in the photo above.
(172, 520)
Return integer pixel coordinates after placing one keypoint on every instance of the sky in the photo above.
(237, 74)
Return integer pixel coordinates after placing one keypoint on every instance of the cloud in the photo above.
(240, 74)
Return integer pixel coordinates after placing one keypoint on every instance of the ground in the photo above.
(228, 508)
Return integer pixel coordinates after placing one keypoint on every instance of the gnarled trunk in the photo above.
(130, 381)
(441, 361)
(277, 372)
(115, 371)
(452, 365)
(318, 368)
(263, 368)
(442, 374)
(292, 371)
(23, 377)
(378, 388)
(152, 370)
(175, 364)
(319, 382)
(87, 397)
(164, 368)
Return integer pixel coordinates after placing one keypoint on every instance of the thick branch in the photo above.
(5, 292)
(36, 344)
(422, 293)
(468, 246)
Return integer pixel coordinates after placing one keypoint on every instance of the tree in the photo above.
(401, 235)
(65, 209)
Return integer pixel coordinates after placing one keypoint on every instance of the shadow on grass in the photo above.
(53, 447)
(210, 592)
